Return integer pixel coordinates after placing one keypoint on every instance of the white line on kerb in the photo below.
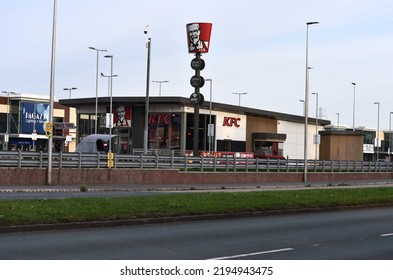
(386, 234)
(252, 254)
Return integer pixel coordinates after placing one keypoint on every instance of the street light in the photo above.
(109, 82)
(377, 103)
(316, 126)
(240, 94)
(52, 93)
(306, 105)
(160, 82)
(210, 130)
(145, 135)
(302, 101)
(353, 107)
(110, 106)
(390, 136)
(338, 120)
(7, 133)
(69, 91)
(96, 113)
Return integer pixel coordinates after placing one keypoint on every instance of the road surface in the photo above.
(336, 235)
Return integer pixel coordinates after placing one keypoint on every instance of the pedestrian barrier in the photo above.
(24, 159)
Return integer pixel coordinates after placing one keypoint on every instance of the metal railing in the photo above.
(24, 159)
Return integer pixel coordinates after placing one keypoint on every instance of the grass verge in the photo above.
(48, 211)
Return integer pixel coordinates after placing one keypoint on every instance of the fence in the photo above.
(23, 159)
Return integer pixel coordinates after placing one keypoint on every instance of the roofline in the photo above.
(76, 102)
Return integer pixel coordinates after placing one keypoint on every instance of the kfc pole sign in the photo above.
(198, 37)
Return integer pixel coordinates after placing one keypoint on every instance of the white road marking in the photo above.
(386, 234)
(252, 254)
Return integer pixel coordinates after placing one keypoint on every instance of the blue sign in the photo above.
(34, 117)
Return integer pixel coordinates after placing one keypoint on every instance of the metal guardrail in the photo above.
(23, 159)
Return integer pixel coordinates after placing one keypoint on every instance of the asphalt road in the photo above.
(337, 235)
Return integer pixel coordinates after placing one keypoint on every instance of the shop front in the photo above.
(23, 120)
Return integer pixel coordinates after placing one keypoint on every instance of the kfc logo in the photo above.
(160, 118)
(228, 121)
(198, 37)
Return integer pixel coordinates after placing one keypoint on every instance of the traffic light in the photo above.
(49, 129)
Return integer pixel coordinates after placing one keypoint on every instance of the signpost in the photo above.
(198, 43)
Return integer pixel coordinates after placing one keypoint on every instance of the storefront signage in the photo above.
(34, 117)
(228, 121)
(122, 116)
(160, 118)
(64, 125)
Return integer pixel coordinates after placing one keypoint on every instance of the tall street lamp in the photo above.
(110, 106)
(390, 136)
(109, 82)
(353, 107)
(306, 105)
(210, 130)
(146, 132)
(7, 133)
(52, 93)
(302, 101)
(377, 103)
(160, 82)
(69, 91)
(316, 125)
(96, 113)
(240, 94)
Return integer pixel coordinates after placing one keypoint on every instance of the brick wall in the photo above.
(75, 176)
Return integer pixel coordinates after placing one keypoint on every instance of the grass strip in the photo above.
(47, 211)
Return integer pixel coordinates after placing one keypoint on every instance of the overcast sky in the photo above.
(257, 46)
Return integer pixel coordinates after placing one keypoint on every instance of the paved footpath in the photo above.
(196, 188)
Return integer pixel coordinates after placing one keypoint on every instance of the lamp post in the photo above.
(52, 93)
(302, 101)
(316, 125)
(353, 107)
(7, 133)
(210, 129)
(306, 105)
(390, 136)
(69, 91)
(240, 94)
(110, 105)
(109, 82)
(338, 120)
(377, 146)
(146, 132)
(160, 82)
(96, 113)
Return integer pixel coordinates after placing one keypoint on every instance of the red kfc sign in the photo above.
(198, 34)
(228, 121)
(160, 118)
(122, 117)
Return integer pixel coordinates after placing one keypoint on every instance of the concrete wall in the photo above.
(74, 176)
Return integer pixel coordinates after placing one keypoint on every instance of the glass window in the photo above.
(164, 131)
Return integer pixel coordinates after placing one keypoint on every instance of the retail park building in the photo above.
(170, 128)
